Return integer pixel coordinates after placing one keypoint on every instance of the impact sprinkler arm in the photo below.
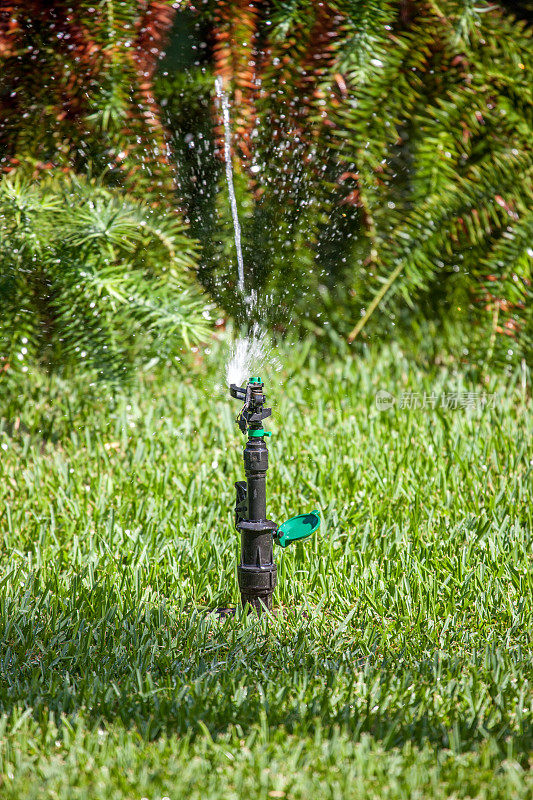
(253, 399)
(257, 571)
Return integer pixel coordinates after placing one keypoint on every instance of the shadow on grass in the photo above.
(161, 670)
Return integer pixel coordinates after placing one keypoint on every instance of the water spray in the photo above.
(257, 571)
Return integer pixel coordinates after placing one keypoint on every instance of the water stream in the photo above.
(251, 353)
(224, 102)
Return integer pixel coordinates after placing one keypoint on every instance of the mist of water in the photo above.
(251, 355)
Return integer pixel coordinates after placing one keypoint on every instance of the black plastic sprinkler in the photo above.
(257, 571)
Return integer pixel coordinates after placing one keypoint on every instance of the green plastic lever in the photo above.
(299, 527)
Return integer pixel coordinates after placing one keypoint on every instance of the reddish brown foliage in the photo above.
(256, 68)
(59, 54)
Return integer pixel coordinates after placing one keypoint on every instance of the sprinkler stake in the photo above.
(257, 571)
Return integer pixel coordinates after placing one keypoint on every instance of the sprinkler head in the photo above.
(252, 413)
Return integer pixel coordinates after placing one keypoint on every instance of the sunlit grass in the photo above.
(401, 661)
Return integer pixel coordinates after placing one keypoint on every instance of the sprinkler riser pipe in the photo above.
(255, 456)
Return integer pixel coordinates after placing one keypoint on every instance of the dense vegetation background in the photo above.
(382, 159)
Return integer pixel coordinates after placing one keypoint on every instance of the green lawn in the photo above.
(402, 664)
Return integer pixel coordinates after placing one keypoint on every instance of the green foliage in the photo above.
(91, 279)
(381, 150)
(383, 162)
(76, 91)
(409, 673)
